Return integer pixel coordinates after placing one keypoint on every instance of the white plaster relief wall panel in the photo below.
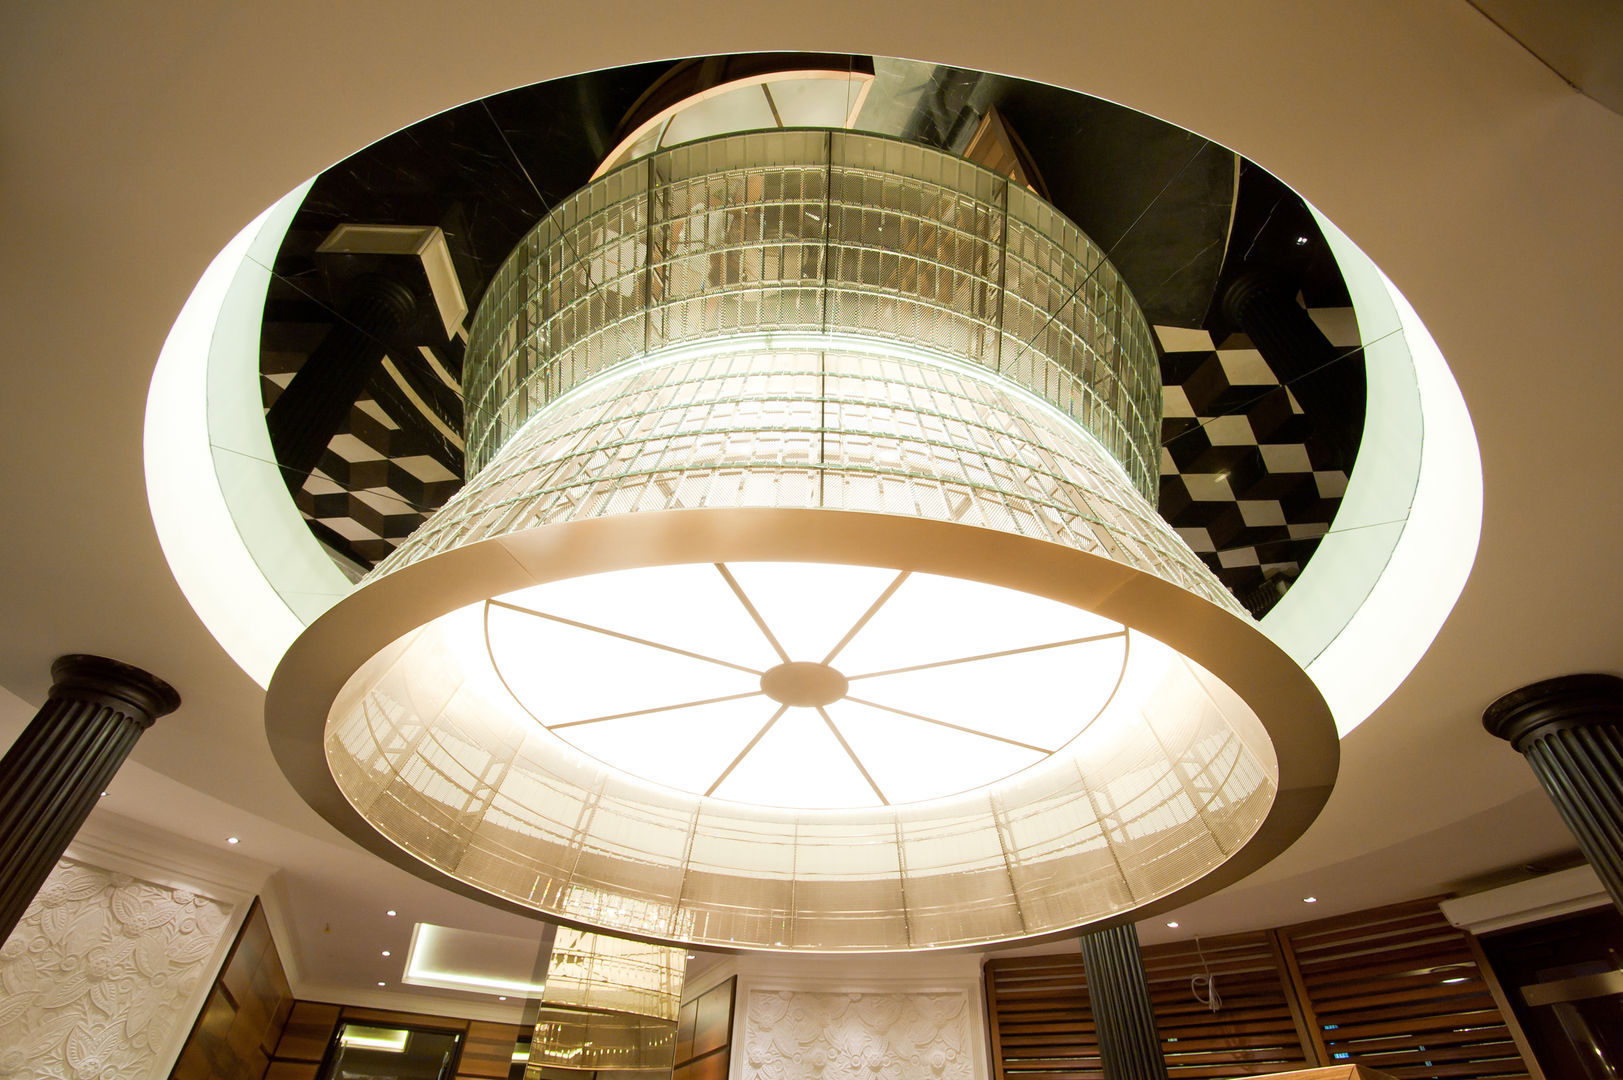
(808, 1035)
(100, 973)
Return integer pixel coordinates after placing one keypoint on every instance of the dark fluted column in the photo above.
(304, 418)
(53, 774)
(1328, 381)
(1571, 732)
(1129, 1047)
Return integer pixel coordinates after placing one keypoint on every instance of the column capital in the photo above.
(51, 777)
(1570, 701)
(81, 675)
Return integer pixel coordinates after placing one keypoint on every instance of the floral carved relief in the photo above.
(798, 1035)
(98, 975)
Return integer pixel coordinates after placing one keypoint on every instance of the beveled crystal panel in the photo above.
(845, 426)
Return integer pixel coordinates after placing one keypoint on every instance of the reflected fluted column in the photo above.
(1571, 732)
(1129, 1048)
(53, 774)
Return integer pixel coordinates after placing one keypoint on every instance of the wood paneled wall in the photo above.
(1396, 989)
(704, 1034)
(1041, 1021)
(309, 1030)
(243, 1015)
(1399, 989)
(1254, 1032)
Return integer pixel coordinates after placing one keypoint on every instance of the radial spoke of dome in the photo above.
(852, 754)
(873, 609)
(655, 709)
(738, 591)
(991, 655)
(742, 754)
(946, 724)
(624, 637)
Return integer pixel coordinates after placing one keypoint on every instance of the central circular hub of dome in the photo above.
(804, 684)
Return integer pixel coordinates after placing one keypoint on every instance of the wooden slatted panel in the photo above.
(1252, 1034)
(1042, 1024)
(1382, 986)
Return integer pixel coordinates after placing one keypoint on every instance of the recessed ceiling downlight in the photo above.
(805, 600)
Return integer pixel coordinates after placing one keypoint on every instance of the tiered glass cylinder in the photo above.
(804, 349)
(817, 421)
(823, 232)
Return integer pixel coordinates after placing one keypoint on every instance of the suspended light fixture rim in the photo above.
(317, 667)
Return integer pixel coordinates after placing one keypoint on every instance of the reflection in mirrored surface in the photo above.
(371, 1052)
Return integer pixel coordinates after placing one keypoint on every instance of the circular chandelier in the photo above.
(808, 594)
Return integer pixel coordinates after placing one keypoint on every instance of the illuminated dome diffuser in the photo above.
(808, 594)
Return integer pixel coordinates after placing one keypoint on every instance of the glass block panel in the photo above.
(813, 231)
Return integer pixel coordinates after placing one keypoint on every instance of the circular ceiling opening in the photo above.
(1253, 452)
(805, 591)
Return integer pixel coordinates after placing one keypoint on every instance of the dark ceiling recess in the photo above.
(1154, 196)
(484, 173)
(1256, 445)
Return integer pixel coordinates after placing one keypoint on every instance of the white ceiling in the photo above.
(140, 138)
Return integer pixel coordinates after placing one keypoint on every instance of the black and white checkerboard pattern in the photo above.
(372, 486)
(1244, 480)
